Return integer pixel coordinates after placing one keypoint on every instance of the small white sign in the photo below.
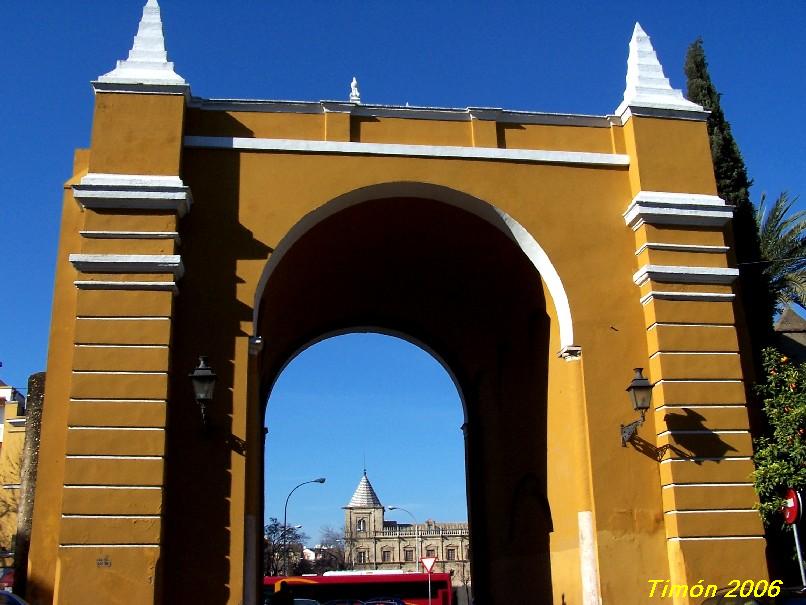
(428, 563)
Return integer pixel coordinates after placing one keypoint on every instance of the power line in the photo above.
(768, 262)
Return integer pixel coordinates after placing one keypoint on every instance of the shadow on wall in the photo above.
(199, 515)
(692, 440)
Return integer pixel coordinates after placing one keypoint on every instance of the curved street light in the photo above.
(285, 520)
(416, 530)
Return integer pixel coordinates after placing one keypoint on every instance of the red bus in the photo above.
(359, 589)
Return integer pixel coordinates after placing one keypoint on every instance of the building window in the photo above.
(386, 556)
(430, 552)
(450, 554)
(361, 556)
(361, 525)
(408, 555)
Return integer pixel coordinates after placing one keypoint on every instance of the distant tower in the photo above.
(363, 518)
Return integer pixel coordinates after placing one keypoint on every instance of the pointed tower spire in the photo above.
(647, 86)
(364, 496)
(147, 64)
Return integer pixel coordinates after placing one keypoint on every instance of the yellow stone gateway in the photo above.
(539, 257)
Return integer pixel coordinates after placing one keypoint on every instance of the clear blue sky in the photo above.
(357, 397)
(555, 57)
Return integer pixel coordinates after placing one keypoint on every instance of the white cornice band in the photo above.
(423, 151)
(697, 296)
(570, 353)
(130, 235)
(128, 263)
(682, 248)
(127, 285)
(685, 209)
(661, 112)
(445, 114)
(133, 192)
(142, 88)
(685, 275)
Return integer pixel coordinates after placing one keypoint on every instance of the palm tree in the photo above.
(783, 250)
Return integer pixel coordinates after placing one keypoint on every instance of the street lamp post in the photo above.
(416, 530)
(285, 520)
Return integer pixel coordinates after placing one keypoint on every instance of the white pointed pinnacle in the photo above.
(147, 62)
(647, 86)
(355, 96)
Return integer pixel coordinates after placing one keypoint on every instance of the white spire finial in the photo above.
(647, 86)
(355, 96)
(147, 63)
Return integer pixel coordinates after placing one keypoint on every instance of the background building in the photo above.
(790, 335)
(12, 437)
(372, 542)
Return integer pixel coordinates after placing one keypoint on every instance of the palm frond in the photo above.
(782, 243)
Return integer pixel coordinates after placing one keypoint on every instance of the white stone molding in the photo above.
(570, 353)
(714, 539)
(128, 263)
(130, 235)
(699, 296)
(486, 211)
(588, 560)
(108, 546)
(147, 68)
(648, 91)
(424, 151)
(121, 346)
(709, 353)
(685, 209)
(682, 248)
(122, 318)
(133, 192)
(444, 114)
(696, 459)
(156, 286)
(508, 116)
(685, 275)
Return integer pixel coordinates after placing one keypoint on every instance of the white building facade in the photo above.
(372, 543)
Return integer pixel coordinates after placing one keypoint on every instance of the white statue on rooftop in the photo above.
(355, 96)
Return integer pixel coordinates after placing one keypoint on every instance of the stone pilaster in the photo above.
(703, 445)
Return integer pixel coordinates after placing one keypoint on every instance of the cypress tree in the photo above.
(755, 295)
(733, 186)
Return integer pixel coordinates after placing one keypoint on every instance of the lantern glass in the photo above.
(203, 379)
(640, 391)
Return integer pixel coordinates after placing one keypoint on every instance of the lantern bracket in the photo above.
(628, 431)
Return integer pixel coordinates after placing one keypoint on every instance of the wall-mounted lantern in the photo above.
(640, 391)
(203, 379)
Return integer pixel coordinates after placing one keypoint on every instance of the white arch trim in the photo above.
(484, 210)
